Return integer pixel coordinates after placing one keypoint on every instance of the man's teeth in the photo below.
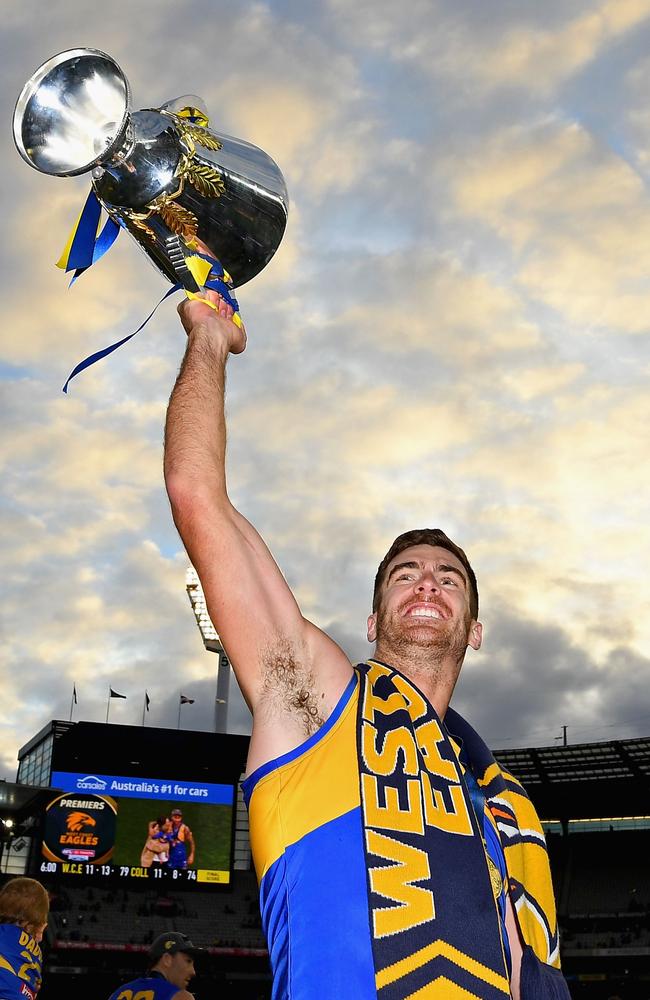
(424, 613)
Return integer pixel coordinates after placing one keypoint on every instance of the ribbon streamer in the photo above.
(219, 281)
(84, 247)
(92, 358)
(216, 283)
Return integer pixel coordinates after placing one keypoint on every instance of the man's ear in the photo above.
(475, 637)
(372, 627)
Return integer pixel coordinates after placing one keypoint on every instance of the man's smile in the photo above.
(425, 609)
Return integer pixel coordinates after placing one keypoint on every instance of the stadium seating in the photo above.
(216, 919)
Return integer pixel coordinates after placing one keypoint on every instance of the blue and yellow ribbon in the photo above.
(194, 115)
(85, 247)
(208, 272)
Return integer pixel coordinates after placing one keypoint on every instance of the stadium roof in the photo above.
(580, 781)
(584, 781)
(20, 802)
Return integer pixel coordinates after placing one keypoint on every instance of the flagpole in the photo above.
(72, 702)
(108, 703)
(178, 724)
(144, 707)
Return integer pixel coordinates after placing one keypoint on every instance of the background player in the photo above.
(182, 847)
(156, 846)
(24, 909)
(171, 967)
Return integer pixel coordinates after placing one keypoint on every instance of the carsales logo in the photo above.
(92, 783)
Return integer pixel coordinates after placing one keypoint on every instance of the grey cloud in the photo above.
(530, 679)
(164, 681)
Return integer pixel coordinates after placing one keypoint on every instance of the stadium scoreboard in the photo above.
(199, 875)
(170, 825)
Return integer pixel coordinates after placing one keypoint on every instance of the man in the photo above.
(24, 909)
(181, 842)
(395, 859)
(171, 967)
(156, 846)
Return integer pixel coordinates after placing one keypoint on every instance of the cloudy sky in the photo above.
(453, 333)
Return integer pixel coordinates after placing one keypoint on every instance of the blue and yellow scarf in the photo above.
(432, 895)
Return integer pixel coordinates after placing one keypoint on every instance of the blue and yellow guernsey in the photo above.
(151, 987)
(21, 959)
(354, 904)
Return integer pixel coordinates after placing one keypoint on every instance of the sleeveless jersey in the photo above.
(177, 854)
(306, 840)
(146, 988)
(21, 959)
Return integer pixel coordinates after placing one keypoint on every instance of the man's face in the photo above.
(424, 601)
(179, 969)
(177, 818)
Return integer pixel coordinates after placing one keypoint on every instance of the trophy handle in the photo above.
(178, 253)
(189, 106)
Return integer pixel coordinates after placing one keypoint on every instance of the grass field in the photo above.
(210, 826)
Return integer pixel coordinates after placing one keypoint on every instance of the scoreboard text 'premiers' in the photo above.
(80, 829)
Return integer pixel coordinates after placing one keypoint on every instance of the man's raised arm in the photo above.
(249, 601)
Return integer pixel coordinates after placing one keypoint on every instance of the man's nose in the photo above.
(427, 584)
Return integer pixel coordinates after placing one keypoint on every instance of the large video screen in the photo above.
(105, 826)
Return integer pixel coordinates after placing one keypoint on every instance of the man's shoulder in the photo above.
(513, 783)
(14, 938)
(10, 931)
(155, 987)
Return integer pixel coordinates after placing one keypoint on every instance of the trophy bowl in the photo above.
(72, 112)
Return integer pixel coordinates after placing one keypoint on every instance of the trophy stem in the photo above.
(118, 150)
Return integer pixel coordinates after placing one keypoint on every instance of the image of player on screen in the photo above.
(156, 846)
(182, 847)
(202, 832)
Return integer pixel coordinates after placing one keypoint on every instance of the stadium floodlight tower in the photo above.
(212, 642)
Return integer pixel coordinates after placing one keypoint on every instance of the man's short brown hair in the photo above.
(24, 902)
(426, 536)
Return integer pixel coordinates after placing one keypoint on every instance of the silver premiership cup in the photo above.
(177, 186)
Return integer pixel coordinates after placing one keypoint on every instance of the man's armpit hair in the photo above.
(288, 684)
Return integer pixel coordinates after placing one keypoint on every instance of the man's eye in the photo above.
(448, 579)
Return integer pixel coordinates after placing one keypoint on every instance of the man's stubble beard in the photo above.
(434, 646)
